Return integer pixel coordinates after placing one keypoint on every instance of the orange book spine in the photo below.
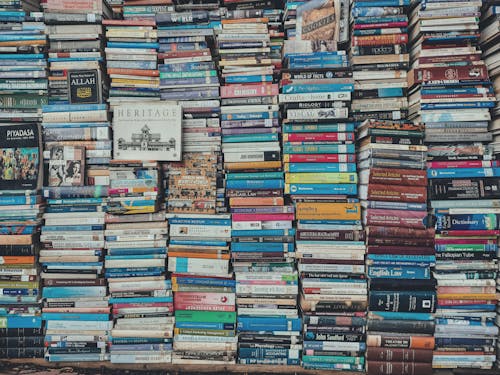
(328, 211)
(16, 240)
(135, 72)
(17, 260)
(253, 165)
(246, 20)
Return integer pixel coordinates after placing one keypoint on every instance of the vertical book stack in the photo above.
(321, 180)
(24, 90)
(380, 58)
(400, 248)
(75, 293)
(137, 234)
(452, 94)
(204, 292)
(20, 213)
(261, 249)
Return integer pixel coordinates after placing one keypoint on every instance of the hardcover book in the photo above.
(84, 87)
(148, 132)
(20, 157)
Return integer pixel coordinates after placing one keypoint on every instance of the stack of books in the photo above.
(400, 247)
(204, 292)
(75, 51)
(131, 60)
(20, 211)
(75, 294)
(380, 59)
(321, 180)
(490, 44)
(189, 76)
(23, 64)
(452, 94)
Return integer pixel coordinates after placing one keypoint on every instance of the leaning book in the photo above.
(20, 156)
(147, 132)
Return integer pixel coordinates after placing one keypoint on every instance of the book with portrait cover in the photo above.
(66, 166)
(147, 132)
(20, 146)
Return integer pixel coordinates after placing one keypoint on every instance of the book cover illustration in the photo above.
(19, 157)
(148, 132)
(66, 166)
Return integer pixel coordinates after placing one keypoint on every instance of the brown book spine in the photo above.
(398, 177)
(398, 241)
(398, 368)
(398, 354)
(452, 74)
(383, 232)
(397, 193)
(374, 40)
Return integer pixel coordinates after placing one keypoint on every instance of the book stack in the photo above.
(76, 72)
(400, 247)
(452, 94)
(380, 59)
(321, 179)
(490, 42)
(131, 61)
(75, 294)
(23, 64)
(204, 292)
(20, 212)
(189, 76)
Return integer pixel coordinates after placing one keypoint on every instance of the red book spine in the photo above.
(452, 73)
(313, 137)
(397, 193)
(376, 40)
(464, 241)
(457, 96)
(398, 354)
(398, 368)
(395, 176)
(321, 158)
(463, 164)
(238, 91)
(181, 54)
(380, 25)
(381, 231)
(263, 217)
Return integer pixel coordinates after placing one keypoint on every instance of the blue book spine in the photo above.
(444, 321)
(466, 222)
(205, 325)
(249, 116)
(194, 66)
(370, 12)
(16, 321)
(459, 341)
(321, 167)
(198, 243)
(133, 65)
(142, 300)
(15, 200)
(331, 222)
(255, 184)
(322, 189)
(165, 46)
(464, 247)
(69, 291)
(199, 221)
(17, 230)
(318, 65)
(138, 340)
(22, 56)
(332, 87)
(392, 257)
(205, 281)
(251, 175)
(156, 250)
(268, 324)
(429, 106)
(73, 107)
(265, 247)
(270, 361)
(463, 172)
(209, 25)
(77, 125)
(111, 275)
(72, 316)
(133, 45)
(77, 201)
(398, 272)
(248, 79)
(322, 54)
(263, 232)
(250, 138)
(368, 32)
(391, 315)
(263, 353)
(320, 345)
(380, 19)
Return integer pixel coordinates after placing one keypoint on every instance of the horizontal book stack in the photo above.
(131, 61)
(489, 40)
(136, 241)
(400, 248)
(204, 292)
(380, 59)
(75, 50)
(75, 293)
(20, 214)
(452, 94)
(23, 63)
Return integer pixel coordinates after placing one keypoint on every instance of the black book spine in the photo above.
(403, 326)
